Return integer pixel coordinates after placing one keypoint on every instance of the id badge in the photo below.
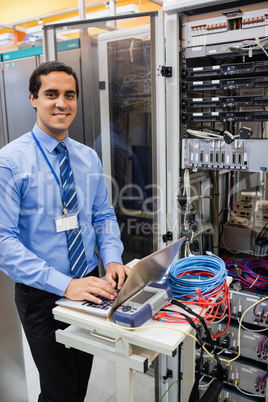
(66, 222)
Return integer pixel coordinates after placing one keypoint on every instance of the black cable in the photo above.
(216, 386)
(262, 238)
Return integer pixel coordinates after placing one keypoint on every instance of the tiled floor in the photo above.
(102, 386)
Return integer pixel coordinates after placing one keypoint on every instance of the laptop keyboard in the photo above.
(105, 305)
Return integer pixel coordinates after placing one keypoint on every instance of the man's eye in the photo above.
(70, 96)
(51, 95)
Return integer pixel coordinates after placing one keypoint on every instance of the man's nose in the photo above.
(61, 102)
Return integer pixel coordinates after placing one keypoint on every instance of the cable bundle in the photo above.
(262, 347)
(197, 277)
(251, 273)
(261, 312)
(260, 385)
(199, 280)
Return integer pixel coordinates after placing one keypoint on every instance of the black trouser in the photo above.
(64, 373)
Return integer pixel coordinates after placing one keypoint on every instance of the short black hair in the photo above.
(45, 69)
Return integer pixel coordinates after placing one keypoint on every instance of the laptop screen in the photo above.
(149, 269)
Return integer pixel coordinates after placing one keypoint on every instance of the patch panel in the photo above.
(247, 155)
(218, 29)
(239, 373)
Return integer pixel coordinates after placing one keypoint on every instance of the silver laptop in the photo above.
(149, 269)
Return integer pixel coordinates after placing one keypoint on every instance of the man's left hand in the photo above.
(116, 274)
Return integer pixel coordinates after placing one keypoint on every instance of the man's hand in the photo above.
(116, 274)
(89, 288)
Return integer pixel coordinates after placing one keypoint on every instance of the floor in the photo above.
(101, 385)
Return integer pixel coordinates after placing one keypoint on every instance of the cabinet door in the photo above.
(19, 113)
(128, 142)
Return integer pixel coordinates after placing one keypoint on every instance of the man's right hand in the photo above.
(89, 288)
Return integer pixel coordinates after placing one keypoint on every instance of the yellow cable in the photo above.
(192, 336)
(152, 326)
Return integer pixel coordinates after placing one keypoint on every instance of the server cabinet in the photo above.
(220, 91)
(19, 115)
(218, 108)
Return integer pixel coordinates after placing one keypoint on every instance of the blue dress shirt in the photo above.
(31, 252)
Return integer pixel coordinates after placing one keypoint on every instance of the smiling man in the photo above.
(56, 103)
(53, 214)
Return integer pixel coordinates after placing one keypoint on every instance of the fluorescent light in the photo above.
(128, 9)
(6, 39)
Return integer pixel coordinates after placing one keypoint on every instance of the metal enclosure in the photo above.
(219, 86)
(18, 113)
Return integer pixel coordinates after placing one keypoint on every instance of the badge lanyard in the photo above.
(65, 192)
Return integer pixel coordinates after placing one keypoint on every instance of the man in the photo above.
(54, 210)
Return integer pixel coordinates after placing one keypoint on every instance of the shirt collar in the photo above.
(46, 140)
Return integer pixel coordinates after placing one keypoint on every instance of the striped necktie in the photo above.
(77, 254)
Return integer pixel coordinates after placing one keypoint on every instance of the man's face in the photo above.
(56, 104)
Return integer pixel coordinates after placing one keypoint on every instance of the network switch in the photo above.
(251, 68)
(250, 342)
(241, 301)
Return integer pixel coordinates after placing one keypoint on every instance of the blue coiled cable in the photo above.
(185, 287)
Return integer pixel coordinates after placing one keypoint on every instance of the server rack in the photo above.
(17, 66)
(221, 89)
